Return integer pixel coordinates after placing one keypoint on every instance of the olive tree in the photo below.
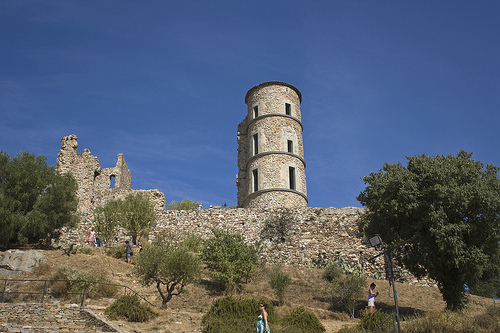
(170, 268)
(106, 221)
(136, 214)
(443, 212)
(229, 259)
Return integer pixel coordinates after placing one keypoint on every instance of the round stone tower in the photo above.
(271, 166)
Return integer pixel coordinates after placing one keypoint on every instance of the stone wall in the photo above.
(52, 318)
(317, 236)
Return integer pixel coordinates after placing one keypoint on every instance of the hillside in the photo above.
(185, 312)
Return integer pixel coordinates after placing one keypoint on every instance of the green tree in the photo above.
(444, 212)
(347, 285)
(35, 200)
(137, 215)
(106, 221)
(185, 204)
(229, 259)
(170, 268)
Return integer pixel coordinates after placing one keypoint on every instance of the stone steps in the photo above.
(51, 318)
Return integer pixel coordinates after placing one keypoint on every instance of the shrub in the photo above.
(332, 272)
(372, 320)
(128, 307)
(229, 259)
(279, 282)
(440, 322)
(232, 315)
(486, 322)
(351, 329)
(493, 311)
(117, 252)
(301, 321)
(71, 282)
(348, 290)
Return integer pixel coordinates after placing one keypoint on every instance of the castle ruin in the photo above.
(97, 185)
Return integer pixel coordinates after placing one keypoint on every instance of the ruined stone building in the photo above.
(271, 165)
(97, 185)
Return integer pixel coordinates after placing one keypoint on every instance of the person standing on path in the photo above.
(128, 251)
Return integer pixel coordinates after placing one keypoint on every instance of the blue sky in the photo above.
(164, 82)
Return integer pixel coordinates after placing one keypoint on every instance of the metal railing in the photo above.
(45, 290)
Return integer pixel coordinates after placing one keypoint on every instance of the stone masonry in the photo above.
(95, 183)
(270, 150)
(51, 318)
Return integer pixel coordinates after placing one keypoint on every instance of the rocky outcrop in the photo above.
(16, 262)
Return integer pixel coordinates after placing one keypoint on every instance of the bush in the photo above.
(68, 282)
(117, 252)
(232, 315)
(486, 322)
(372, 320)
(332, 272)
(351, 329)
(348, 290)
(128, 307)
(440, 322)
(301, 321)
(229, 259)
(279, 282)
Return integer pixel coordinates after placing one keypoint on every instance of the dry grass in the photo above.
(184, 313)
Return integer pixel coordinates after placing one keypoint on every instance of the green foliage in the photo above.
(69, 249)
(301, 321)
(372, 320)
(232, 315)
(106, 221)
(332, 272)
(445, 211)
(279, 282)
(229, 259)
(169, 268)
(278, 226)
(116, 252)
(185, 204)
(128, 307)
(348, 290)
(35, 200)
(349, 268)
(70, 282)
(136, 214)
